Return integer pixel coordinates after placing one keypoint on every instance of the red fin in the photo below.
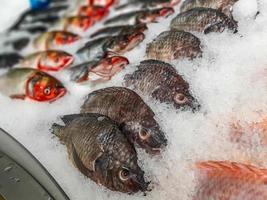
(18, 96)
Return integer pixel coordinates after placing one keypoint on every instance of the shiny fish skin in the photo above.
(203, 20)
(101, 152)
(224, 6)
(224, 180)
(161, 81)
(131, 113)
(171, 45)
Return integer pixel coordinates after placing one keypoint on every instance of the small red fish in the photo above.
(54, 39)
(95, 12)
(103, 3)
(51, 60)
(224, 180)
(21, 83)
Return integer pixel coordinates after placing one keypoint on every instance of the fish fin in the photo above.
(56, 130)
(18, 96)
(69, 118)
(226, 168)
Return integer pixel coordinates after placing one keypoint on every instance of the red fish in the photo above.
(95, 12)
(21, 83)
(47, 60)
(230, 181)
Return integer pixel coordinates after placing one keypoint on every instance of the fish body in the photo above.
(98, 71)
(171, 45)
(50, 60)
(149, 4)
(141, 16)
(76, 24)
(224, 180)
(21, 83)
(203, 20)
(224, 6)
(97, 147)
(9, 59)
(131, 113)
(161, 81)
(18, 44)
(55, 39)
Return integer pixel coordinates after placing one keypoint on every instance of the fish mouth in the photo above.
(62, 91)
(166, 12)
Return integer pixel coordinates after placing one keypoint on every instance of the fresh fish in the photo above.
(95, 12)
(119, 30)
(118, 44)
(203, 20)
(76, 24)
(170, 45)
(134, 117)
(98, 71)
(224, 6)
(224, 180)
(9, 59)
(21, 83)
(51, 60)
(142, 16)
(53, 39)
(161, 81)
(97, 147)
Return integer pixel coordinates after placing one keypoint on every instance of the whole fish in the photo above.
(224, 6)
(95, 12)
(50, 60)
(161, 81)
(118, 44)
(54, 39)
(134, 117)
(230, 181)
(119, 30)
(97, 147)
(141, 16)
(170, 45)
(98, 71)
(76, 24)
(21, 83)
(9, 59)
(203, 20)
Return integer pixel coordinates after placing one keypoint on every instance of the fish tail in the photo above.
(226, 168)
(56, 130)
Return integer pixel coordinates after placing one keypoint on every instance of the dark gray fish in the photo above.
(9, 59)
(18, 44)
(203, 20)
(171, 45)
(224, 6)
(132, 114)
(141, 16)
(119, 30)
(161, 81)
(97, 147)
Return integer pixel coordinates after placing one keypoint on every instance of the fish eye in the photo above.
(47, 91)
(144, 134)
(124, 174)
(180, 98)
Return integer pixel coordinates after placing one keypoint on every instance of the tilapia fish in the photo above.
(161, 81)
(98, 71)
(171, 45)
(224, 6)
(204, 20)
(54, 39)
(51, 60)
(230, 181)
(118, 44)
(119, 30)
(21, 83)
(141, 16)
(132, 114)
(97, 147)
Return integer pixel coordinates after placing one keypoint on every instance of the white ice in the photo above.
(229, 81)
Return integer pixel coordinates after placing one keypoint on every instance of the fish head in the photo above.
(43, 87)
(129, 179)
(152, 16)
(95, 12)
(147, 134)
(64, 38)
(124, 43)
(55, 61)
(81, 23)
